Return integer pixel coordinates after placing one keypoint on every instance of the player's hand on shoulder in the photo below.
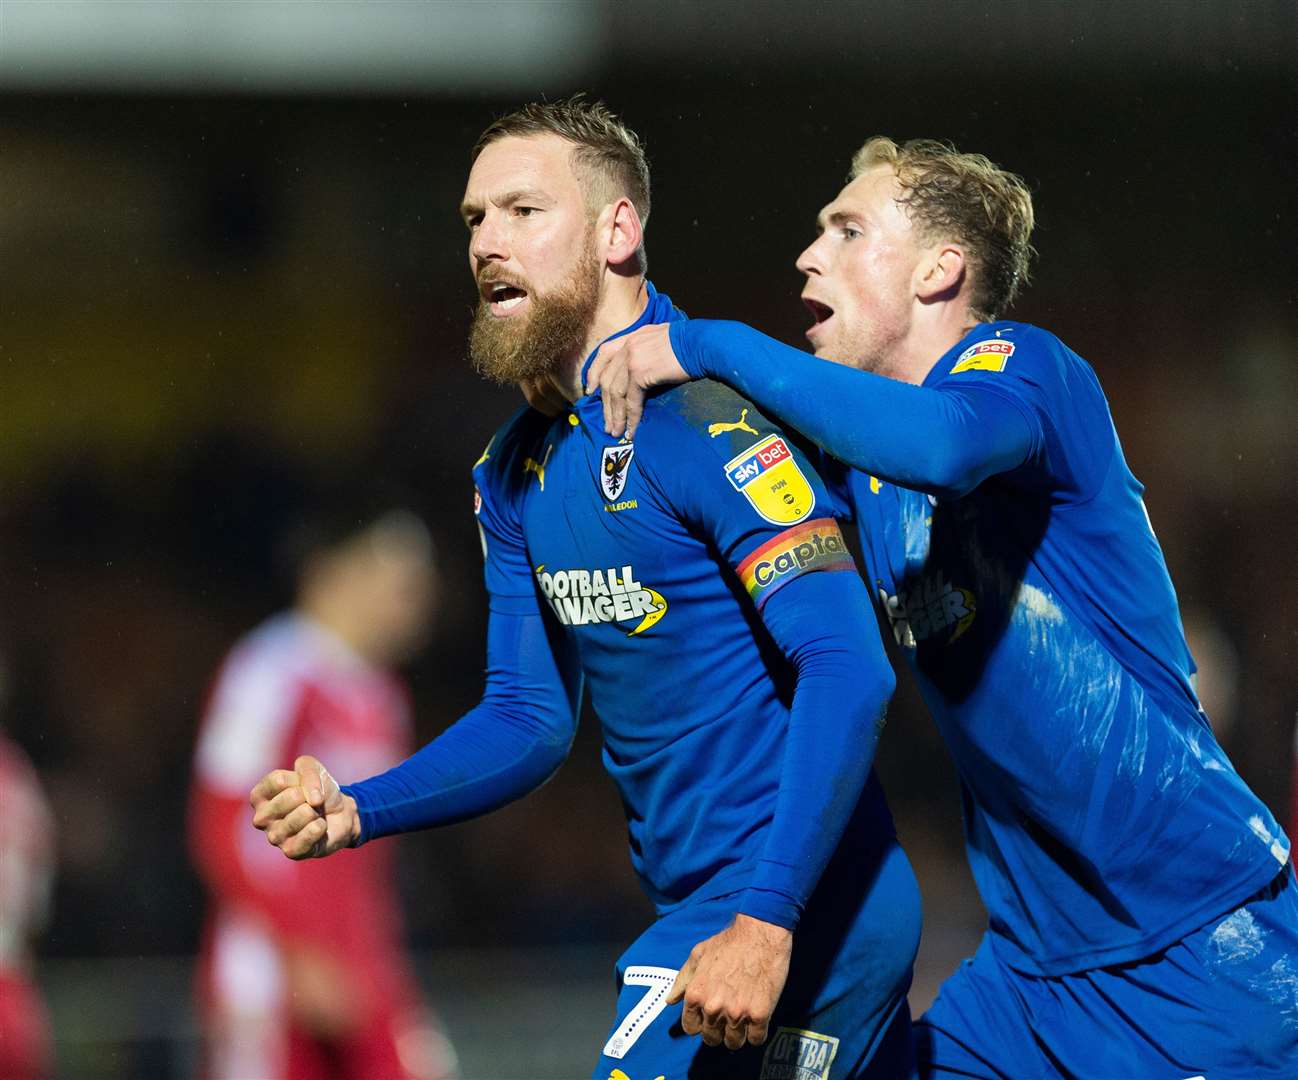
(625, 368)
(303, 812)
(732, 981)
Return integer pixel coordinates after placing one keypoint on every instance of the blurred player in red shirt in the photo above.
(26, 875)
(315, 676)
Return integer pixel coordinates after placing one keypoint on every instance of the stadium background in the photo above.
(230, 263)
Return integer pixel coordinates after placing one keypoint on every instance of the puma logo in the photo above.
(739, 425)
(531, 466)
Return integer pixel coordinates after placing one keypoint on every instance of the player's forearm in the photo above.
(488, 758)
(825, 625)
(939, 441)
(507, 746)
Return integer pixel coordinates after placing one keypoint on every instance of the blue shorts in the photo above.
(1220, 1004)
(843, 1013)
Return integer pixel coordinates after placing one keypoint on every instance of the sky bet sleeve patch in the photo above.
(814, 545)
(988, 355)
(768, 476)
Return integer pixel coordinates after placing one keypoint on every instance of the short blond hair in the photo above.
(608, 156)
(969, 199)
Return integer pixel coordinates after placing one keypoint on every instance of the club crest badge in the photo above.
(615, 464)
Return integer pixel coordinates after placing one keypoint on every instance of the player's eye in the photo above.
(850, 232)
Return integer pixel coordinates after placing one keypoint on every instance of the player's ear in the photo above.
(621, 231)
(940, 273)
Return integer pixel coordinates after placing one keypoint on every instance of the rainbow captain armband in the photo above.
(804, 549)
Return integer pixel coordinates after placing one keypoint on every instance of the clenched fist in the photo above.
(303, 812)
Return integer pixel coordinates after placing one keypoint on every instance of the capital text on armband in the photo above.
(815, 545)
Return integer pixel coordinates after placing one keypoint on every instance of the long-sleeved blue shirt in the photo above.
(1009, 548)
(698, 579)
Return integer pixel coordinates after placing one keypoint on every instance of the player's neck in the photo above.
(622, 301)
(932, 335)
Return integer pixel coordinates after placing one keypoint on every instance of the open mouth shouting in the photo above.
(502, 297)
(821, 312)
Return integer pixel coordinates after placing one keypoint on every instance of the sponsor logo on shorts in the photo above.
(814, 545)
(794, 1054)
(984, 356)
(615, 467)
(769, 477)
(934, 607)
(587, 597)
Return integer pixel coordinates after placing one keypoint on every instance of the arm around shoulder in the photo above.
(944, 441)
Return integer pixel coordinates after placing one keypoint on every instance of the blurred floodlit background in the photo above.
(231, 264)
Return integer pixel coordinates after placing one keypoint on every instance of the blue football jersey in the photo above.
(656, 558)
(1102, 819)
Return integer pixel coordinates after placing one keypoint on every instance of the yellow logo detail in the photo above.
(971, 609)
(875, 485)
(538, 467)
(618, 1074)
(659, 610)
(485, 453)
(721, 428)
